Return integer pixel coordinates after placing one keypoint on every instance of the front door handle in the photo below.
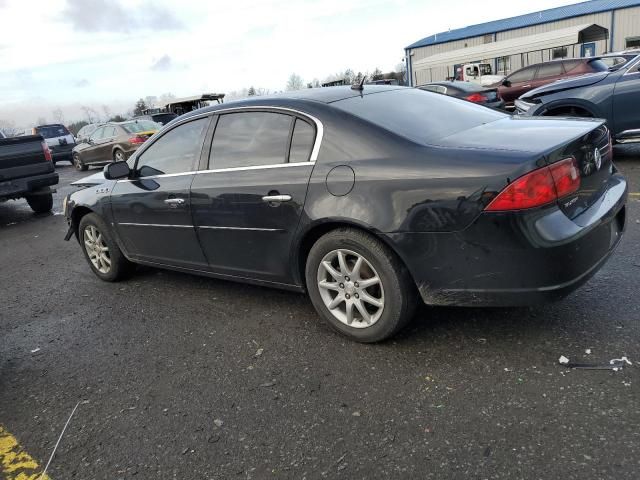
(276, 198)
(526, 86)
(174, 201)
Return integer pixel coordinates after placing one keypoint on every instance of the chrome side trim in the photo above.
(257, 167)
(127, 224)
(211, 227)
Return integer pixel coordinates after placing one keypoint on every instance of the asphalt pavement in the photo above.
(180, 376)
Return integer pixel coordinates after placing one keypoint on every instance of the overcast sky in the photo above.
(68, 53)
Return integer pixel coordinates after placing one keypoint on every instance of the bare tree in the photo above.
(8, 127)
(58, 116)
(107, 112)
(90, 114)
(295, 82)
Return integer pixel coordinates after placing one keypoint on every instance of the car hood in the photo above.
(538, 135)
(560, 85)
(91, 180)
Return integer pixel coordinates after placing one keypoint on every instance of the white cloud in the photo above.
(118, 51)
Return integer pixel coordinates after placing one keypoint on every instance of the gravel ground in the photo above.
(187, 377)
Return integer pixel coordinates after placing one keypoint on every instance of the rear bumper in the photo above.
(62, 152)
(17, 188)
(514, 259)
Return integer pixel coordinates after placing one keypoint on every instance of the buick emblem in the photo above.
(597, 158)
(592, 161)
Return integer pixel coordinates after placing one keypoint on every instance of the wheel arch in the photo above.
(310, 235)
(76, 216)
(568, 104)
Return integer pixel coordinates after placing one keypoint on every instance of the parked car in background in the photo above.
(161, 118)
(27, 171)
(616, 60)
(472, 92)
(527, 78)
(113, 142)
(86, 131)
(59, 140)
(368, 199)
(612, 95)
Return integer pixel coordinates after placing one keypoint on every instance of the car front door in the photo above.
(626, 100)
(248, 203)
(106, 144)
(152, 210)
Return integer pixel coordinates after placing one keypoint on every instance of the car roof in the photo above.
(324, 95)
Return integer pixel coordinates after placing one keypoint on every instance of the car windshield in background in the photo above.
(410, 112)
(52, 131)
(140, 126)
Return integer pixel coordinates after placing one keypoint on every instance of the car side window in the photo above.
(176, 151)
(304, 136)
(524, 75)
(549, 70)
(248, 139)
(98, 134)
(571, 64)
(109, 132)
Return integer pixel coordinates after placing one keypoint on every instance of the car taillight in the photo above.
(476, 97)
(540, 187)
(137, 140)
(46, 151)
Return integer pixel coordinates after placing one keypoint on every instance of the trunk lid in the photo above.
(594, 157)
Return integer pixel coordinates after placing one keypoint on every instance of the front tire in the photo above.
(40, 203)
(359, 286)
(101, 251)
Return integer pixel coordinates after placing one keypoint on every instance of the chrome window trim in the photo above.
(319, 126)
(257, 167)
(312, 159)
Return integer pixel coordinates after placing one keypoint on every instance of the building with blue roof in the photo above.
(583, 29)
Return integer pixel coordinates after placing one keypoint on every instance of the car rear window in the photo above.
(52, 131)
(418, 115)
(140, 126)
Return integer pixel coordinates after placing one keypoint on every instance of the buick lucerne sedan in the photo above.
(369, 200)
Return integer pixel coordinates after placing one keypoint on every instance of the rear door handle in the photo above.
(276, 198)
(526, 86)
(174, 201)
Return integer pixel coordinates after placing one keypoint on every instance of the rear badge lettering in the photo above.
(571, 202)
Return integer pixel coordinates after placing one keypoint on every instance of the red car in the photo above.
(534, 76)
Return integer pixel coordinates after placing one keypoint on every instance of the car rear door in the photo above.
(103, 152)
(152, 210)
(626, 100)
(247, 204)
(90, 154)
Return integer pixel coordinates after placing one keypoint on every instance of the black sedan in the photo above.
(472, 92)
(367, 200)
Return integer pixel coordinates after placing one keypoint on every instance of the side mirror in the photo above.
(116, 170)
(506, 83)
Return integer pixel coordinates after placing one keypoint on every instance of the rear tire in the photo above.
(40, 203)
(101, 251)
(367, 303)
(77, 163)
(119, 156)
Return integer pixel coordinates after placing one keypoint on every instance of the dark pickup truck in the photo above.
(26, 171)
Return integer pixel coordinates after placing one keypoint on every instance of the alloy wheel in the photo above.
(350, 288)
(97, 249)
(119, 156)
